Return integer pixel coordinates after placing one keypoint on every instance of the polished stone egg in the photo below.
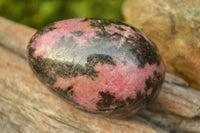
(99, 66)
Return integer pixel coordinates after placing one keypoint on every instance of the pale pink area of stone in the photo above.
(149, 91)
(45, 42)
(124, 81)
(126, 32)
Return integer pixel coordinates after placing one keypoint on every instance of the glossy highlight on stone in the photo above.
(100, 66)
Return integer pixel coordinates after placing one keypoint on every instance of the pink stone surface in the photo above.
(125, 81)
(64, 28)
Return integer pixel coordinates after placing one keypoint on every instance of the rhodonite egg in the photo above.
(100, 66)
